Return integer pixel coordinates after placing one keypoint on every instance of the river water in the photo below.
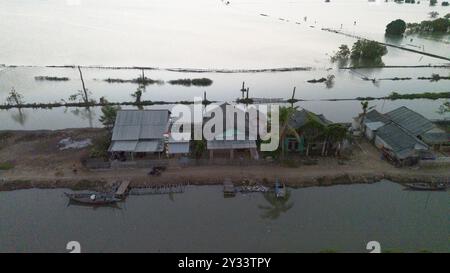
(340, 218)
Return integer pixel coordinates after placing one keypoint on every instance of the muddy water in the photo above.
(340, 218)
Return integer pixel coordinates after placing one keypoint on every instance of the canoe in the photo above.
(280, 189)
(93, 198)
(427, 186)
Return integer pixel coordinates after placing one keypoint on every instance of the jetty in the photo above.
(228, 188)
(122, 188)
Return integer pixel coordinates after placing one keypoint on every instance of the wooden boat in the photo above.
(93, 198)
(427, 186)
(280, 189)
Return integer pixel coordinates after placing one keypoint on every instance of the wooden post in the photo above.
(231, 153)
(211, 154)
(86, 98)
(243, 89)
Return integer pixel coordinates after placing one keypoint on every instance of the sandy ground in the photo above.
(40, 163)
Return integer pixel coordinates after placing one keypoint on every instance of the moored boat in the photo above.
(427, 186)
(93, 198)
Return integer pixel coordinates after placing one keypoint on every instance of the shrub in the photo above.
(366, 52)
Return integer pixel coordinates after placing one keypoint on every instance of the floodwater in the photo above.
(340, 218)
(198, 33)
(206, 34)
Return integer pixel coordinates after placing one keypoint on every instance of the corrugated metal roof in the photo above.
(402, 143)
(230, 144)
(412, 121)
(178, 148)
(375, 116)
(436, 137)
(140, 124)
(301, 117)
(374, 125)
(148, 146)
(123, 146)
(143, 146)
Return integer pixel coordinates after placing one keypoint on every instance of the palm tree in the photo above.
(365, 107)
(277, 205)
(285, 115)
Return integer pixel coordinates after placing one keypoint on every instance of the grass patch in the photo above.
(4, 166)
(194, 82)
(48, 78)
(425, 95)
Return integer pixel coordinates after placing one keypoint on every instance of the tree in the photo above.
(109, 114)
(335, 133)
(199, 148)
(82, 95)
(14, 98)
(137, 95)
(444, 108)
(396, 27)
(342, 54)
(447, 16)
(433, 14)
(433, 2)
(365, 107)
(367, 52)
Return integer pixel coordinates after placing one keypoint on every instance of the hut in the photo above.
(139, 133)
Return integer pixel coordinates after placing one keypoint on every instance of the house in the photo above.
(298, 121)
(235, 142)
(399, 145)
(402, 133)
(372, 121)
(419, 126)
(139, 133)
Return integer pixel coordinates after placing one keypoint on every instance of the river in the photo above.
(340, 218)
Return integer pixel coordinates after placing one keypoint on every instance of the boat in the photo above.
(93, 198)
(427, 186)
(280, 189)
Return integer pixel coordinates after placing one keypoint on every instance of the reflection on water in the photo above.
(19, 116)
(277, 206)
(85, 113)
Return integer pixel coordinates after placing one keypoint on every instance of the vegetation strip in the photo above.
(387, 44)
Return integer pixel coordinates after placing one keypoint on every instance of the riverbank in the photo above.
(38, 161)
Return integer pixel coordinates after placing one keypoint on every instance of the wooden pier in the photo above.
(122, 189)
(228, 188)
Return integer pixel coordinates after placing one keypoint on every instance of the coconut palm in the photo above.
(284, 117)
(365, 108)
